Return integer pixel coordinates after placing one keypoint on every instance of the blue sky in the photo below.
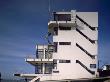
(23, 24)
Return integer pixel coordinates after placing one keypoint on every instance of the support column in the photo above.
(73, 16)
(43, 68)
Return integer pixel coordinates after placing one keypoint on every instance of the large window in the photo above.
(64, 61)
(38, 68)
(55, 46)
(64, 28)
(64, 43)
(55, 30)
(62, 17)
(48, 68)
(92, 65)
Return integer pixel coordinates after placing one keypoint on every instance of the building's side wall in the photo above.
(71, 52)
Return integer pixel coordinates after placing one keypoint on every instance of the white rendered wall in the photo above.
(71, 52)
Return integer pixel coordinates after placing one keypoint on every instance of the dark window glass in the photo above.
(38, 68)
(64, 61)
(55, 71)
(55, 46)
(92, 65)
(64, 28)
(48, 68)
(55, 30)
(64, 43)
(62, 17)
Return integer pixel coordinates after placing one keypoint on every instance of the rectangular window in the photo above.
(55, 46)
(54, 64)
(64, 28)
(64, 43)
(48, 68)
(38, 68)
(55, 30)
(64, 61)
(92, 65)
(62, 17)
(55, 71)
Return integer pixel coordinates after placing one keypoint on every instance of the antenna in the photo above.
(49, 6)
(49, 9)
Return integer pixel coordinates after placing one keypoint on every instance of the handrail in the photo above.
(92, 41)
(92, 72)
(92, 56)
(92, 28)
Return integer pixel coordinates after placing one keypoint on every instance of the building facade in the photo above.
(72, 54)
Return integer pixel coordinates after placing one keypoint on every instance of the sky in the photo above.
(24, 23)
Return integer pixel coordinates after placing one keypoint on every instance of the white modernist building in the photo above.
(73, 52)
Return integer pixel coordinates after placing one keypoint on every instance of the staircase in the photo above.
(35, 79)
(92, 72)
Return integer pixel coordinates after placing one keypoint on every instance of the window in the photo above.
(54, 64)
(55, 30)
(55, 71)
(55, 46)
(48, 68)
(64, 43)
(92, 65)
(64, 28)
(62, 17)
(38, 68)
(64, 61)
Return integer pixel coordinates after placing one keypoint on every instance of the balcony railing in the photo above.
(45, 52)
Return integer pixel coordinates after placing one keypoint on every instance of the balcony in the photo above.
(63, 20)
(44, 51)
(34, 61)
(44, 54)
